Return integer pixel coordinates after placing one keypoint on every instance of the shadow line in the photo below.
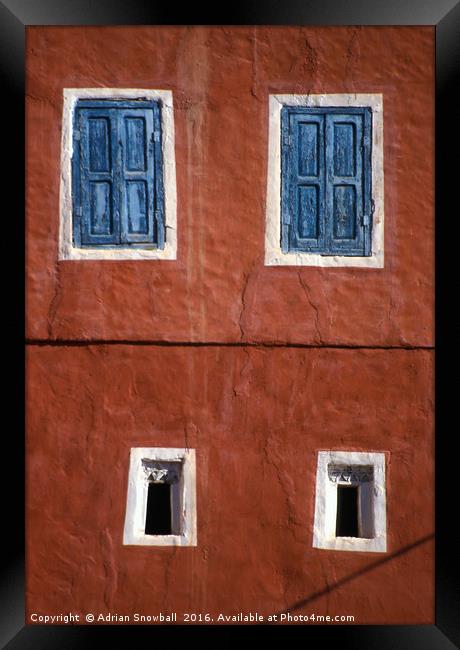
(356, 574)
(213, 344)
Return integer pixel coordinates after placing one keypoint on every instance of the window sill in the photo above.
(67, 252)
(274, 257)
(374, 545)
(157, 540)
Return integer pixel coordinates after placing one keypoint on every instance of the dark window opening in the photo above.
(158, 519)
(347, 511)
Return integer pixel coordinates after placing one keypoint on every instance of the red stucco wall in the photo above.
(257, 418)
(219, 288)
(255, 415)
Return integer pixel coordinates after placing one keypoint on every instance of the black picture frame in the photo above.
(15, 16)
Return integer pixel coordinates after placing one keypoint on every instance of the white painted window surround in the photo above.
(66, 249)
(372, 502)
(273, 253)
(184, 496)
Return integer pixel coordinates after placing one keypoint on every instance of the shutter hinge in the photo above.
(156, 136)
(77, 134)
(287, 140)
(366, 220)
(79, 211)
(366, 140)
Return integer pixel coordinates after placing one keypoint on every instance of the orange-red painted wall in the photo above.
(256, 415)
(221, 79)
(256, 418)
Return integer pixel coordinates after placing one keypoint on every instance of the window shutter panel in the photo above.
(347, 230)
(304, 178)
(158, 185)
(286, 203)
(136, 175)
(368, 204)
(96, 210)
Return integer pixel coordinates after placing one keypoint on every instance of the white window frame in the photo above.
(67, 251)
(274, 256)
(136, 505)
(372, 503)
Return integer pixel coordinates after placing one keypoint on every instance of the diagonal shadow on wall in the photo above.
(356, 574)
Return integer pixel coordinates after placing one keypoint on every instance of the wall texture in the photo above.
(256, 418)
(254, 406)
(219, 288)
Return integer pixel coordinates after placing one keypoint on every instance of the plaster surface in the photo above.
(218, 288)
(257, 418)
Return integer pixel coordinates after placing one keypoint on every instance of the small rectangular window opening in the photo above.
(347, 511)
(350, 502)
(158, 517)
(163, 499)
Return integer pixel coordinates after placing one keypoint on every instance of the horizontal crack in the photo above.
(214, 344)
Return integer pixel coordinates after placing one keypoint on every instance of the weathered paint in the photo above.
(165, 180)
(117, 155)
(256, 416)
(219, 289)
(371, 231)
(326, 180)
(257, 419)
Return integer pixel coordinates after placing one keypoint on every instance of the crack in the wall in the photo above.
(247, 363)
(290, 509)
(391, 307)
(186, 440)
(352, 56)
(71, 587)
(254, 65)
(246, 278)
(306, 291)
(88, 452)
(55, 300)
(110, 571)
(243, 306)
(90, 343)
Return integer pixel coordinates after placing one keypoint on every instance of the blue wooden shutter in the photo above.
(137, 175)
(326, 180)
(158, 185)
(303, 180)
(117, 174)
(348, 210)
(95, 206)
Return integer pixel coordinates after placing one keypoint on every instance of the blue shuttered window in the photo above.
(117, 174)
(326, 204)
